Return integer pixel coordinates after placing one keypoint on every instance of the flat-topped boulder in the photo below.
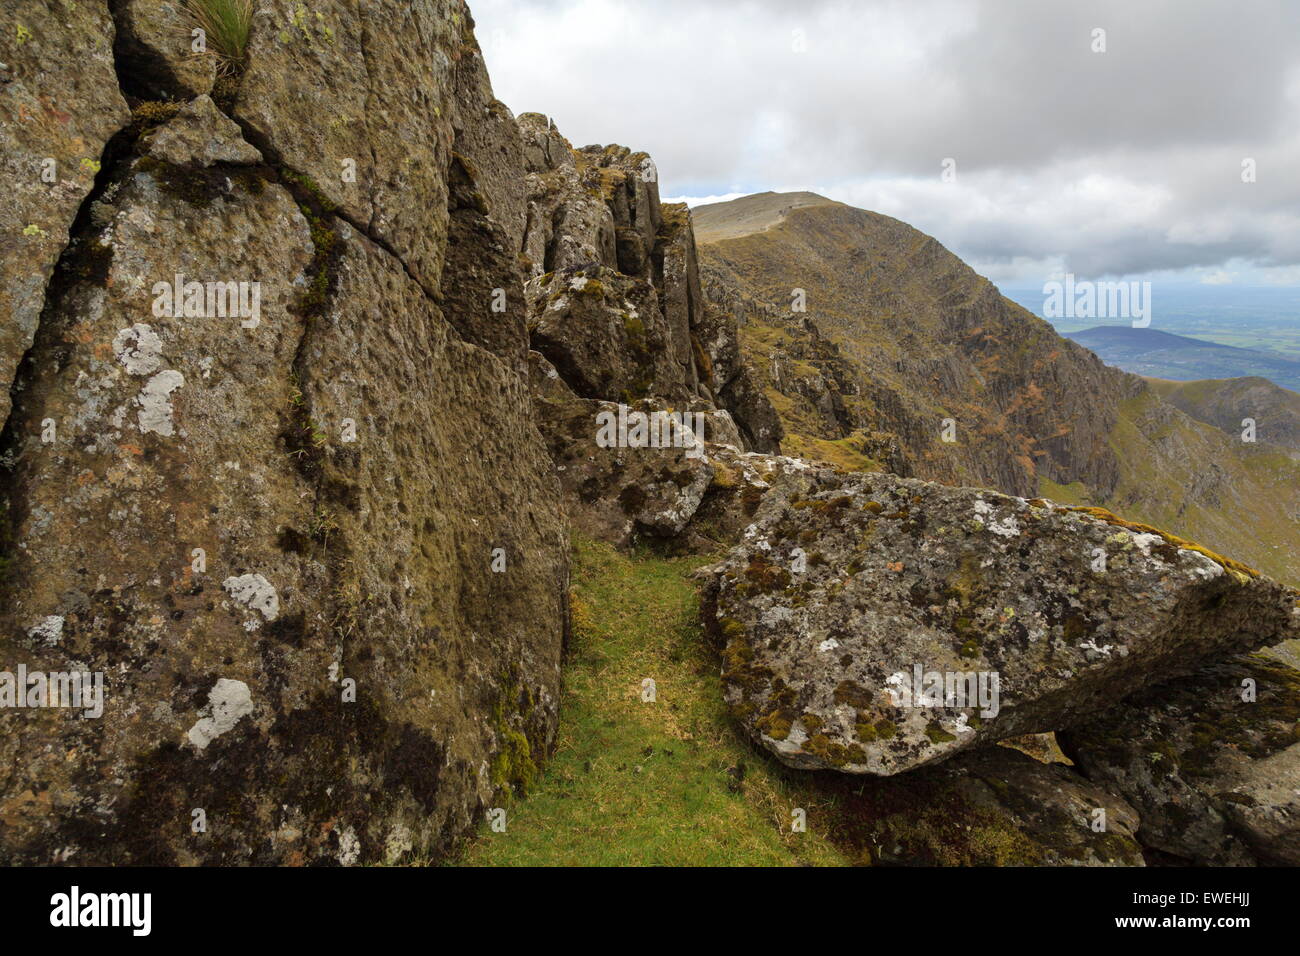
(873, 624)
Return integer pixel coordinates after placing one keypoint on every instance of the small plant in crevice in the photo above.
(225, 25)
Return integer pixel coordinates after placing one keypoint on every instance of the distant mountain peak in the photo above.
(750, 214)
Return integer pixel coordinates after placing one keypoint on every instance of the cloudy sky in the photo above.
(1127, 162)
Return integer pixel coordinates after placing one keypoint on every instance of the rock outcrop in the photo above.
(61, 107)
(1211, 762)
(615, 300)
(873, 624)
(298, 518)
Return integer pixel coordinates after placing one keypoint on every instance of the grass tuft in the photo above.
(226, 24)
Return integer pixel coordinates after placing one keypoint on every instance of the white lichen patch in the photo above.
(1007, 527)
(228, 701)
(349, 847)
(961, 725)
(254, 592)
(1145, 541)
(139, 349)
(1202, 566)
(155, 413)
(48, 630)
(778, 615)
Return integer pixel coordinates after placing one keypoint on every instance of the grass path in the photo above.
(662, 783)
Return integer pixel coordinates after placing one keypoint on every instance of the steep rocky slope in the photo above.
(907, 360)
(1227, 403)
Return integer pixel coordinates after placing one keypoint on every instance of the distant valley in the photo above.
(1156, 354)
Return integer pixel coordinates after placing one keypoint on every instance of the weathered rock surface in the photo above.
(843, 600)
(1015, 811)
(201, 135)
(615, 492)
(603, 332)
(615, 299)
(313, 542)
(482, 280)
(360, 100)
(1215, 777)
(154, 47)
(59, 107)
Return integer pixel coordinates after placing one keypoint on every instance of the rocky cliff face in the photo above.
(305, 527)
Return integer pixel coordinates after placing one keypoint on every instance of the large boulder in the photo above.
(875, 623)
(312, 544)
(1211, 761)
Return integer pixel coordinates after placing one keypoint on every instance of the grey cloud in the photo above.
(1050, 138)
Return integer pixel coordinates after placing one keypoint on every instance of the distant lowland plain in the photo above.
(1195, 333)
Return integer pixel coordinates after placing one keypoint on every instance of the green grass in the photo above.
(226, 24)
(634, 783)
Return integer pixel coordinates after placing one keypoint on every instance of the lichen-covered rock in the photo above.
(59, 107)
(604, 332)
(728, 375)
(568, 224)
(875, 624)
(639, 326)
(682, 297)
(308, 536)
(619, 482)
(1211, 761)
(359, 99)
(201, 135)
(482, 277)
